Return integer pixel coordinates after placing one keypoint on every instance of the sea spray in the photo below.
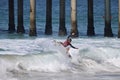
(42, 55)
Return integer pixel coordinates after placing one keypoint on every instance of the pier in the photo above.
(20, 28)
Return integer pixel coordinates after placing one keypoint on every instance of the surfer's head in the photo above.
(72, 33)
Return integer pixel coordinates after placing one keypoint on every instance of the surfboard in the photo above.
(61, 49)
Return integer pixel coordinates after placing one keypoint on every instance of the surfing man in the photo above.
(68, 44)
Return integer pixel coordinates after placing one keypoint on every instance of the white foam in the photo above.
(42, 55)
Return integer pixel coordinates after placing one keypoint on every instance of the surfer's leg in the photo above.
(67, 51)
(69, 56)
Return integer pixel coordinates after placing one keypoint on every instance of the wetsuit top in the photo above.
(66, 43)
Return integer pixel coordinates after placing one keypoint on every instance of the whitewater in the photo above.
(40, 59)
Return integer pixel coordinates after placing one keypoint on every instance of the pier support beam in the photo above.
(11, 24)
(119, 21)
(48, 27)
(62, 28)
(90, 30)
(33, 18)
(74, 18)
(107, 29)
(20, 27)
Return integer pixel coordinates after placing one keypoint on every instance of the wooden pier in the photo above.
(62, 28)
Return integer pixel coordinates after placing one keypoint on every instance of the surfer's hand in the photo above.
(76, 48)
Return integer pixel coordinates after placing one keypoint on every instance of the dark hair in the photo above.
(70, 39)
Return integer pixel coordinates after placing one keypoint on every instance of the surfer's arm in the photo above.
(69, 36)
(73, 46)
(61, 43)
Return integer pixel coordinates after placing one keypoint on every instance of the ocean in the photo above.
(39, 58)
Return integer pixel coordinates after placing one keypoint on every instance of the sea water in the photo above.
(39, 58)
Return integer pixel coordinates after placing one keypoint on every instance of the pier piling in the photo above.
(33, 18)
(20, 27)
(90, 27)
(48, 27)
(62, 28)
(108, 29)
(119, 19)
(11, 24)
(74, 18)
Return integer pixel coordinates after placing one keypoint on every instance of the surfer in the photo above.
(67, 44)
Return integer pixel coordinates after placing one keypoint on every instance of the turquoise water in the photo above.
(40, 58)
